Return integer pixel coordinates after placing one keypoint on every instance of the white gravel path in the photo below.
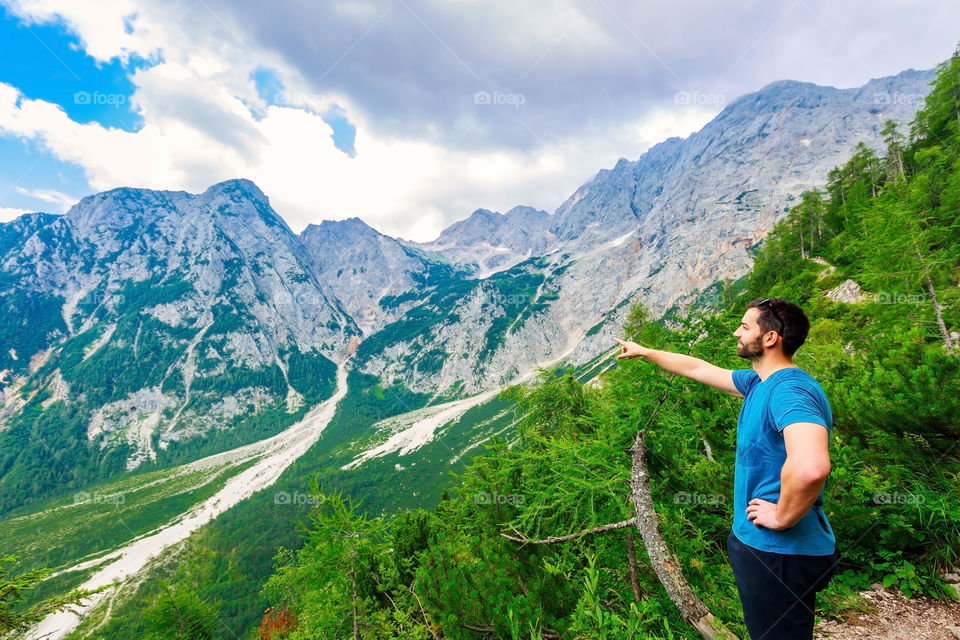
(275, 455)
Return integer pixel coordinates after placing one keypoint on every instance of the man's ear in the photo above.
(770, 340)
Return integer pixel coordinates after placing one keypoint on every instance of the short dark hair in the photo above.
(795, 327)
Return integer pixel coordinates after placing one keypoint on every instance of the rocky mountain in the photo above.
(375, 277)
(659, 229)
(144, 319)
(232, 322)
(489, 241)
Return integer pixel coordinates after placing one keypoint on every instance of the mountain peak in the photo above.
(242, 186)
(490, 241)
(525, 212)
(249, 200)
(491, 226)
(351, 226)
(125, 205)
(795, 93)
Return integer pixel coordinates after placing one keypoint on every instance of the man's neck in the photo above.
(770, 364)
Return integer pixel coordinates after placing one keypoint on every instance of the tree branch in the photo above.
(423, 612)
(573, 536)
(632, 562)
(664, 562)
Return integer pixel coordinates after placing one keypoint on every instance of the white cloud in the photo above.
(61, 200)
(9, 213)
(197, 130)
(101, 28)
(196, 101)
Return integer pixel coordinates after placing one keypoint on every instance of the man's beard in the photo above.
(752, 351)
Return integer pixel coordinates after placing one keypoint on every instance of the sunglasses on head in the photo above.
(768, 302)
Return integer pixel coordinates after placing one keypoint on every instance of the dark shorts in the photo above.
(778, 591)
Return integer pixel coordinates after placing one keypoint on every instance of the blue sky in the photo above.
(407, 113)
(47, 62)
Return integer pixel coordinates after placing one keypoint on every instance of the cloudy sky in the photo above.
(407, 113)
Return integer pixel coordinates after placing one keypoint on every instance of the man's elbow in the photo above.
(815, 473)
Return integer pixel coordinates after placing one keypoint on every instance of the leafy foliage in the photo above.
(15, 618)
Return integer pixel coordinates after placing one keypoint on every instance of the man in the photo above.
(781, 548)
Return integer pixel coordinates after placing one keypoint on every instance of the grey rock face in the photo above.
(218, 278)
(678, 219)
(374, 277)
(227, 243)
(489, 241)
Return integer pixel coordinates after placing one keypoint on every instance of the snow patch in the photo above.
(414, 429)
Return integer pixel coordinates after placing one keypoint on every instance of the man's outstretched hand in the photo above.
(630, 349)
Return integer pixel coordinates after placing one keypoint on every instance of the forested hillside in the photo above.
(883, 346)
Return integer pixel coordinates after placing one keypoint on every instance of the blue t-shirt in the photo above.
(787, 396)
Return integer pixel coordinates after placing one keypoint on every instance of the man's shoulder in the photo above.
(799, 398)
(794, 378)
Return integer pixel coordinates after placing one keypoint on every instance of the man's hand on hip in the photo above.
(763, 514)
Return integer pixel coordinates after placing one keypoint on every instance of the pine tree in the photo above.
(14, 589)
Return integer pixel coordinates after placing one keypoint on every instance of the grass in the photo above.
(86, 524)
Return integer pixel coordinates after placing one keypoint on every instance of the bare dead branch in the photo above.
(573, 536)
